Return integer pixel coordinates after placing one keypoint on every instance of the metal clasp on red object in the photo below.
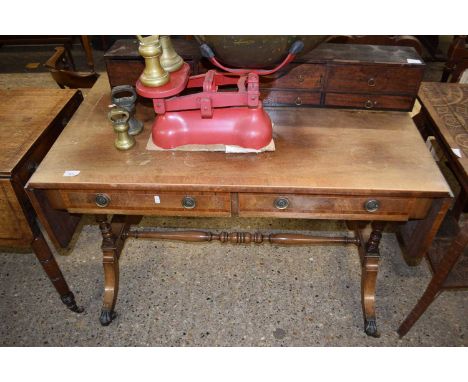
(159, 105)
(253, 91)
(206, 107)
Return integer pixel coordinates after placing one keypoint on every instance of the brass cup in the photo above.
(170, 60)
(119, 119)
(154, 75)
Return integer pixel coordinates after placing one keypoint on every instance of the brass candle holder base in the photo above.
(154, 74)
(170, 60)
(119, 119)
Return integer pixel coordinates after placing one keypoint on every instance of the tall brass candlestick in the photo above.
(170, 60)
(150, 49)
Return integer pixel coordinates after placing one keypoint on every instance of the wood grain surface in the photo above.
(317, 151)
(447, 106)
(23, 115)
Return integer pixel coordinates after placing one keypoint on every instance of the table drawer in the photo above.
(332, 207)
(296, 76)
(374, 79)
(143, 202)
(289, 98)
(369, 101)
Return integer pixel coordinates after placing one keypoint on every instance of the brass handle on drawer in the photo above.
(300, 78)
(372, 205)
(281, 203)
(371, 81)
(102, 200)
(369, 104)
(189, 202)
(298, 101)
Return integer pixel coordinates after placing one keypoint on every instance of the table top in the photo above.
(447, 106)
(25, 114)
(344, 152)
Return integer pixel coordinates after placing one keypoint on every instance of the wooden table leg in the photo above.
(113, 240)
(432, 291)
(370, 256)
(416, 236)
(51, 268)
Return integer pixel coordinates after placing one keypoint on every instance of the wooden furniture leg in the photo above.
(416, 236)
(51, 268)
(434, 288)
(113, 240)
(370, 256)
(86, 44)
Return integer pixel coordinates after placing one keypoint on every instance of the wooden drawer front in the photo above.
(14, 228)
(332, 207)
(296, 76)
(289, 98)
(144, 202)
(374, 79)
(124, 72)
(369, 101)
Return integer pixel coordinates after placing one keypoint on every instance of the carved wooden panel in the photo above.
(448, 105)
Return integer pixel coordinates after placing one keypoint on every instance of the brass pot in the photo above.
(256, 51)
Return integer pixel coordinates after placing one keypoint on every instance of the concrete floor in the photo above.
(177, 294)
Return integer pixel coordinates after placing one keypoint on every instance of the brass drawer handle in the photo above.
(300, 78)
(298, 101)
(372, 205)
(102, 200)
(369, 104)
(188, 202)
(371, 81)
(281, 203)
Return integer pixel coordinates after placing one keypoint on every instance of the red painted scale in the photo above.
(211, 116)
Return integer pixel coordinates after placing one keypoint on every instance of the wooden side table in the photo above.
(328, 164)
(444, 114)
(30, 121)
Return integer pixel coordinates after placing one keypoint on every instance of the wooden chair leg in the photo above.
(86, 44)
(51, 268)
(370, 269)
(69, 56)
(433, 289)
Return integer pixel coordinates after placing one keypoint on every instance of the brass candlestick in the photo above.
(170, 60)
(154, 75)
(119, 119)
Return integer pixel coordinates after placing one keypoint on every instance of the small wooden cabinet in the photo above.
(30, 122)
(332, 75)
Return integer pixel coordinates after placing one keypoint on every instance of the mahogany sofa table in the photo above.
(30, 121)
(356, 166)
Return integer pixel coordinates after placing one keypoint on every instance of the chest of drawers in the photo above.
(333, 75)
